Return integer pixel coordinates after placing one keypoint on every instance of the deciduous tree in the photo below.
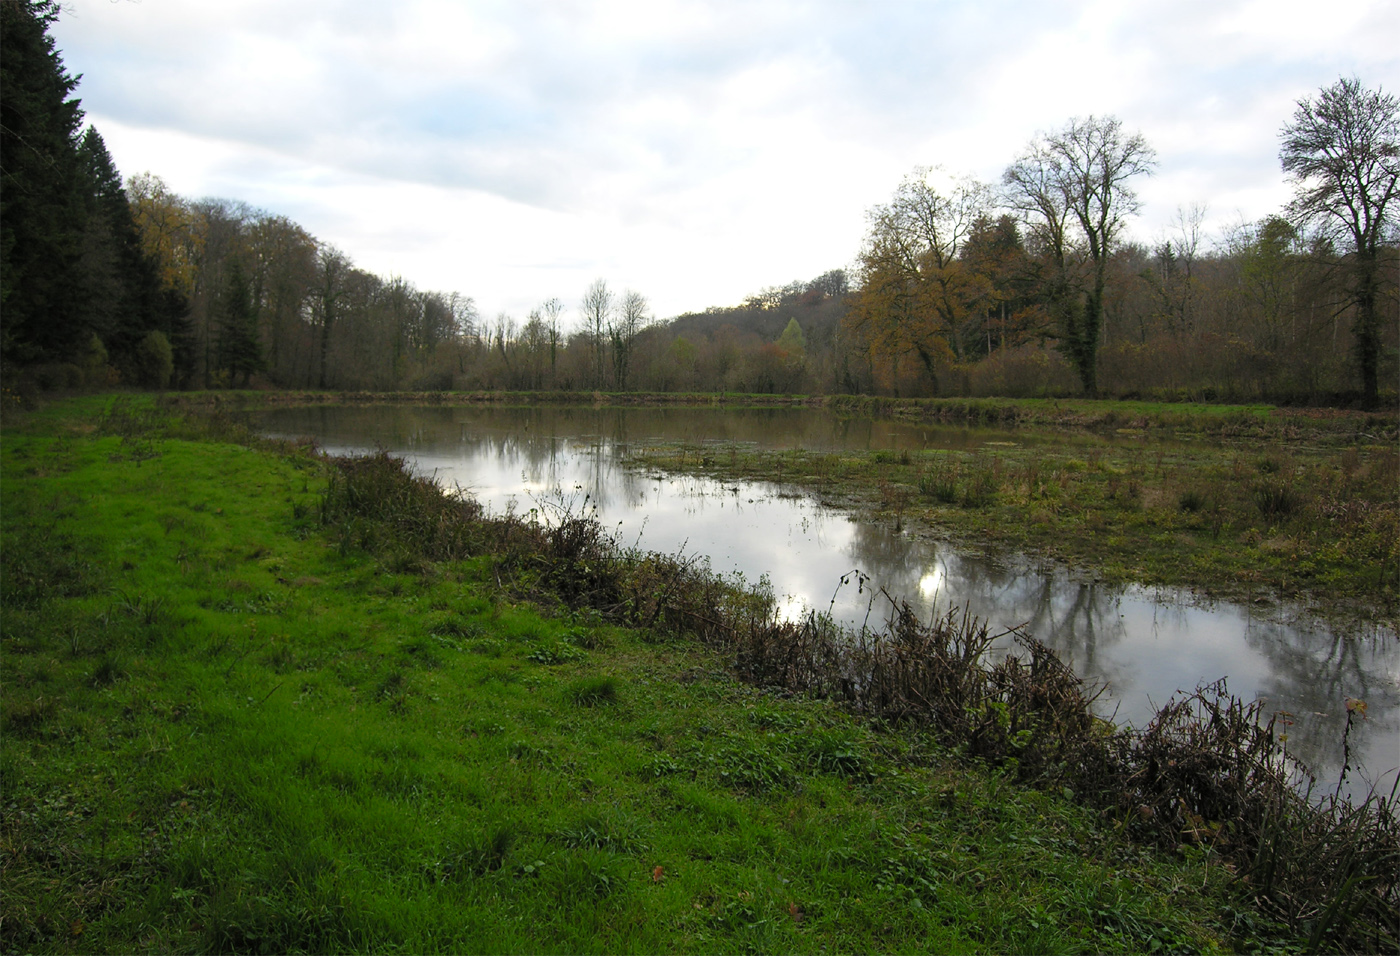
(627, 322)
(1342, 151)
(597, 314)
(332, 271)
(915, 293)
(1073, 187)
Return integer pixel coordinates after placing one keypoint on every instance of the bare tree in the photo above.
(1342, 152)
(465, 317)
(1175, 281)
(550, 312)
(503, 342)
(626, 324)
(1080, 176)
(597, 309)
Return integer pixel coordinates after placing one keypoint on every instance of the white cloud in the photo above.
(693, 150)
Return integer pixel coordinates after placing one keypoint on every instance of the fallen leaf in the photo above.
(657, 874)
(796, 912)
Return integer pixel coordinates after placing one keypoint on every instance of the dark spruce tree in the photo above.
(126, 300)
(43, 207)
(239, 352)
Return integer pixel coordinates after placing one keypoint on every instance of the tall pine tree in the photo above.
(73, 264)
(125, 297)
(43, 208)
(239, 351)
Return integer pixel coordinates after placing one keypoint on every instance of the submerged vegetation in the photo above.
(1238, 516)
(259, 700)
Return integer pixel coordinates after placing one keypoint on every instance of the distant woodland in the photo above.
(1030, 286)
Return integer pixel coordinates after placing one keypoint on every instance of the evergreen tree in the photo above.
(42, 204)
(239, 350)
(126, 301)
(98, 276)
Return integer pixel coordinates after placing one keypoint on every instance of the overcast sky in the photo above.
(693, 151)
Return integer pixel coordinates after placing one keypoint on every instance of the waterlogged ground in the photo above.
(224, 727)
(1141, 643)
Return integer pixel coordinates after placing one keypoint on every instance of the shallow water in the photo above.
(1142, 644)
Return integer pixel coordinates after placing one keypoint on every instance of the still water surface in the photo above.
(1142, 644)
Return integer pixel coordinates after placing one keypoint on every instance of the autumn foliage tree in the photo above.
(916, 293)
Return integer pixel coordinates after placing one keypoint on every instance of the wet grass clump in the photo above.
(1191, 501)
(1276, 499)
(594, 692)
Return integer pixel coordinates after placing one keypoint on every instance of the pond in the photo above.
(1141, 644)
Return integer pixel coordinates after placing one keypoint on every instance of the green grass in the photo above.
(226, 729)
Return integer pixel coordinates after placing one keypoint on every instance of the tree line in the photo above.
(1029, 286)
(966, 287)
(78, 296)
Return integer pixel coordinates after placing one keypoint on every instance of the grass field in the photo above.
(231, 727)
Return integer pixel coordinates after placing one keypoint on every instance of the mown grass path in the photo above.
(227, 730)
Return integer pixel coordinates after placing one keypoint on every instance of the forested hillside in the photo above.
(1030, 286)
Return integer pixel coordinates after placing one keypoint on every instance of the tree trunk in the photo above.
(1366, 329)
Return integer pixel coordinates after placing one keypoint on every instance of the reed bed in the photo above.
(1208, 775)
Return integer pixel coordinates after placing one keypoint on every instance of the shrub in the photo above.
(1191, 500)
(155, 361)
(1275, 499)
(93, 362)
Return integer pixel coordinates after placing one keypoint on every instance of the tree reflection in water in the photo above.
(1143, 644)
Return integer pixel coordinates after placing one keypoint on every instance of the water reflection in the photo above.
(1141, 644)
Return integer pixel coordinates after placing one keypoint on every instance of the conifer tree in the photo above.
(126, 302)
(239, 350)
(42, 204)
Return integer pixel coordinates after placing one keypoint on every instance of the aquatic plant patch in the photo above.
(1224, 519)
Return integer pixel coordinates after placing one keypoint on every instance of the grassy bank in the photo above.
(1249, 520)
(257, 701)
